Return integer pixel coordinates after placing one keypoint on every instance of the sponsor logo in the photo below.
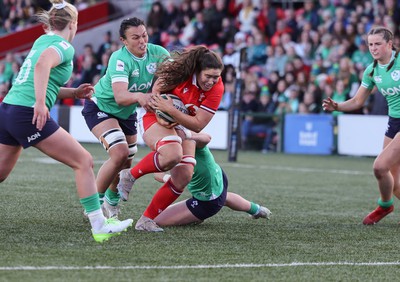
(185, 90)
(33, 137)
(101, 115)
(120, 66)
(202, 96)
(151, 68)
(141, 87)
(194, 204)
(378, 79)
(395, 75)
(390, 91)
(135, 73)
(64, 45)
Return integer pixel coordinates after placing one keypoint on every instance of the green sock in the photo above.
(385, 204)
(101, 198)
(91, 203)
(112, 197)
(253, 208)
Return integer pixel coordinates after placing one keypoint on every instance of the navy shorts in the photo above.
(205, 209)
(393, 127)
(16, 128)
(93, 116)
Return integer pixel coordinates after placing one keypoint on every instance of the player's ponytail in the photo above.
(59, 15)
(373, 68)
(394, 59)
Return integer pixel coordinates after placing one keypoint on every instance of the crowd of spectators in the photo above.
(16, 15)
(295, 56)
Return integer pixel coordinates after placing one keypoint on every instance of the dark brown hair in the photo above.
(127, 23)
(182, 65)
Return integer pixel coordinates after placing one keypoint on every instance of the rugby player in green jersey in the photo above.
(25, 113)
(384, 74)
(209, 190)
(111, 113)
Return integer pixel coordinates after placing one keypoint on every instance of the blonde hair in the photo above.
(59, 15)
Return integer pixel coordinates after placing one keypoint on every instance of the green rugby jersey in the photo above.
(123, 66)
(22, 92)
(207, 182)
(387, 82)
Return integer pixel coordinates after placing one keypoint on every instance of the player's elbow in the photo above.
(121, 101)
(197, 129)
(207, 138)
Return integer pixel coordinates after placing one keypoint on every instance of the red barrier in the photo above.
(23, 40)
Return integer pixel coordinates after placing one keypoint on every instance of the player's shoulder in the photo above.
(120, 55)
(369, 68)
(53, 39)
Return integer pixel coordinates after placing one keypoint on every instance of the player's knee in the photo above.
(182, 181)
(380, 169)
(119, 154)
(170, 151)
(85, 161)
(184, 176)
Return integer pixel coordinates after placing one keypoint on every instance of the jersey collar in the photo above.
(194, 80)
(136, 58)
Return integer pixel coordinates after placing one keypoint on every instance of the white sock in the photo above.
(96, 219)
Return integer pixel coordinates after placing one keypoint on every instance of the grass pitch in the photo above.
(315, 233)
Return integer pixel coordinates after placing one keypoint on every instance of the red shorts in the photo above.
(149, 119)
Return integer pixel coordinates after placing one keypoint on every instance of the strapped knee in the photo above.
(187, 160)
(132, 150)
(111, 138)
(168, 140)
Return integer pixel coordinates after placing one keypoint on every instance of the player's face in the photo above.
(206, 79)
(379, 48)
(135, 40)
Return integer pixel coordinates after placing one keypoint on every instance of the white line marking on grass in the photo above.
(299, 169)
(248, 166)
(395, 263)
(46, 160)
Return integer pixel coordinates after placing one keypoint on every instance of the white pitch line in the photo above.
(148, 267)
(299, 169)
(249, 166)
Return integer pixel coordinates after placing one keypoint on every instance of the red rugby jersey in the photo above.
(193, 97)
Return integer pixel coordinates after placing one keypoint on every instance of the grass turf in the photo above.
(315, 233)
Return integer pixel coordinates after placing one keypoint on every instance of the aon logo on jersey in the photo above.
(143, 87)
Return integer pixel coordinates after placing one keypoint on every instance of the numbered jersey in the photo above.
(22, 92)
(138, 73)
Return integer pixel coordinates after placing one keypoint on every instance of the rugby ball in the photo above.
(178, 104)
